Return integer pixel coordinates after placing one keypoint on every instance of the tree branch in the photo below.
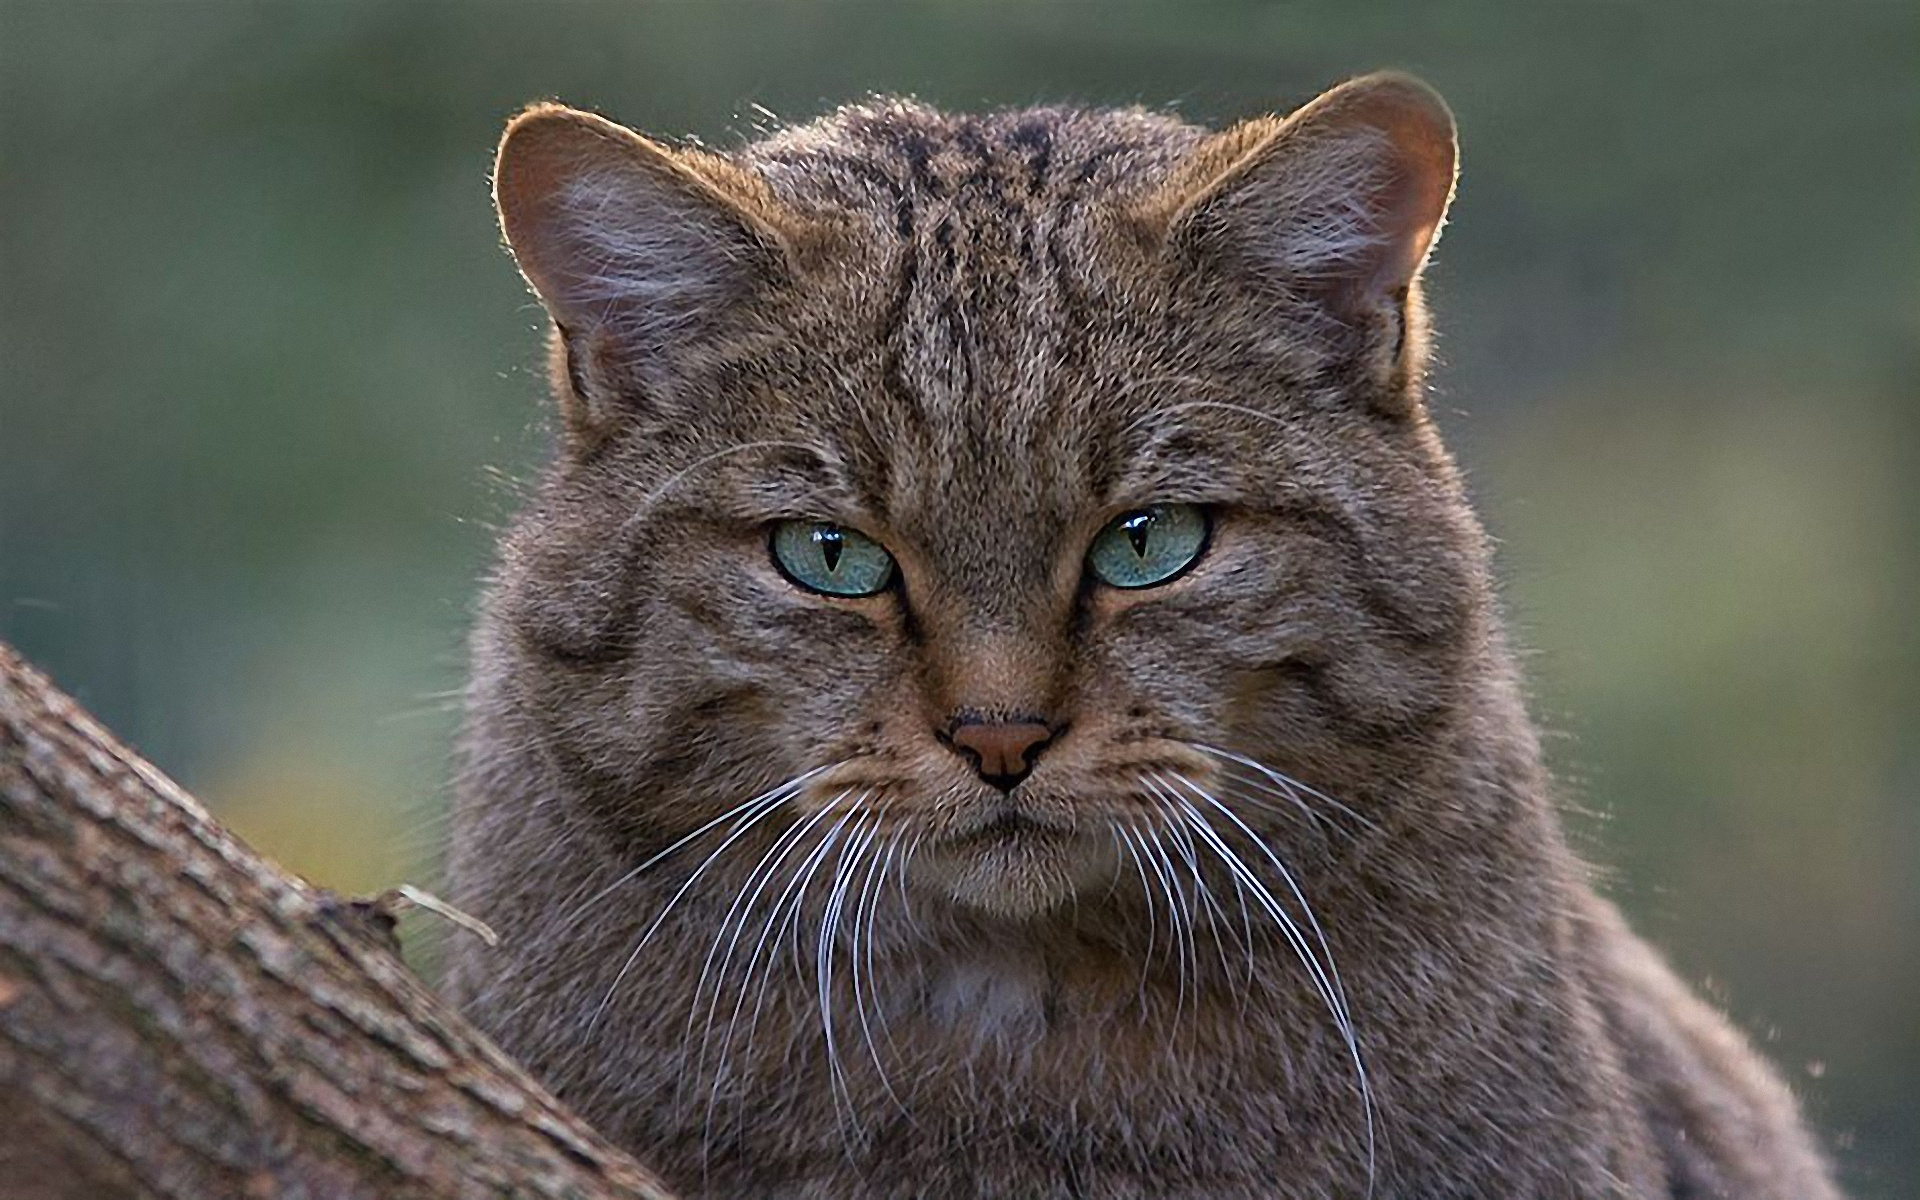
(180, 1018)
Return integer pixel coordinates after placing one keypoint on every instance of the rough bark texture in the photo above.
(180, 1018)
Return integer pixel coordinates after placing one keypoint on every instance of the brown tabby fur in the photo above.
(978, 339)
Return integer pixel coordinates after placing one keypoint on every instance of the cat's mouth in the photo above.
(1005, 825)
(1013, 862)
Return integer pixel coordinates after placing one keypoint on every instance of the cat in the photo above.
(1001, 692)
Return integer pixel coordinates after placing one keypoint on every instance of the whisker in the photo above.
(1127, 834)
(872, 890)
(823, 959)
(1327, 981)
(755, 885)
(823, 964)
(1178, 918)
(1287, 877)
(1185, 911)
(1290, 929)
(788, 903)
(1189, 853)
(647, 505)
(769, 939)
(906, 861)
(1288, 786)
(769, 799)
(1246, 927)
(753, 889)
(732, 837)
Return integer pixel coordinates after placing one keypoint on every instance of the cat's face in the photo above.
(1004, 492)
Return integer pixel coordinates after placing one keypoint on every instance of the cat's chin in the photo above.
(1018, 870)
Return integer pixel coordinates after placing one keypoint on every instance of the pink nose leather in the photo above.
(1003, 751)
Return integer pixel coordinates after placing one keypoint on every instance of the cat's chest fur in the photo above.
(1003, 995)
(982, 1079)
(977, 1068)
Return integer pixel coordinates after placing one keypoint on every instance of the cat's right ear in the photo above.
(641, 253)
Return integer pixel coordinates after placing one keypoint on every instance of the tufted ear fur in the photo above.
(1336, 205)
(641, 254)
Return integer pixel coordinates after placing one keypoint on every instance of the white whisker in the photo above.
(1179, 918)
(1128, 835)
(1189, 853)
(872, 890)
(781, 917)
(1326, 978)
(768, 799)
(789, 903)
(744, 900)
(823, 964)
(734, 835)
(1286, 785)
(756, 885)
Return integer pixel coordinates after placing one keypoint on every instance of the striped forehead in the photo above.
(984, 226)
(984, 223)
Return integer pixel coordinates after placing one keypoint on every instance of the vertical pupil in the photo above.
(1137, 527)
(831, 544)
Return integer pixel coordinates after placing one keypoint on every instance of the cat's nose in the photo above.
(1002, 751)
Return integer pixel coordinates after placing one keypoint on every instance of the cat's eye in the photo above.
(1149, 546)
(824, 557)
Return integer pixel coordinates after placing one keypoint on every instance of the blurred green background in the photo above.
(267, 383)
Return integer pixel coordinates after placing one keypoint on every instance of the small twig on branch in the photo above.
(181, 1018)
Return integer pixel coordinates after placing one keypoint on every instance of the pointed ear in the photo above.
(639, 252)
(1337, 204)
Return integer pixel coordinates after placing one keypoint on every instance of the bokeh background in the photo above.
(267, 383)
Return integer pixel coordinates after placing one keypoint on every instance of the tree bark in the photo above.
(180, 1018)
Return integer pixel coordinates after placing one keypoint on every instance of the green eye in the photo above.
(1149, 546)
(824, 557)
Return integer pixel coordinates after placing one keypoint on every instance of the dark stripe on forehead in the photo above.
(988, 288)
(969, 139)
(1034, 134)
(918, 156)
(902, 201)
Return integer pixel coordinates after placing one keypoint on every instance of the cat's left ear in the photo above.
(1336, 205)
(646, 256)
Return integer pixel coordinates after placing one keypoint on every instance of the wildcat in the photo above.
(1001, 692)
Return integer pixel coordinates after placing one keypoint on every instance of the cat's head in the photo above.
(1008, 489)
